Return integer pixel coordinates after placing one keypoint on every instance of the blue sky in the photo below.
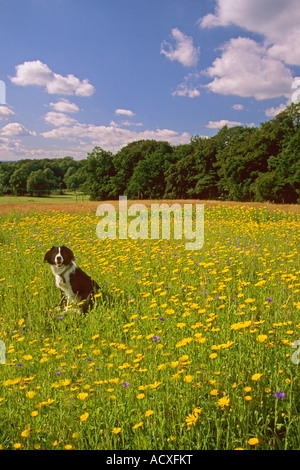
(81, 73)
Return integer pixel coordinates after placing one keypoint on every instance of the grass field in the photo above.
(184, 349)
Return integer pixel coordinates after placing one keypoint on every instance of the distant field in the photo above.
(54, 199)
(80, 203)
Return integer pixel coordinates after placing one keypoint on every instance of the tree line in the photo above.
(238, 163)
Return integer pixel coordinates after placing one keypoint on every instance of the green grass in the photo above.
(184, 350)
(55, 198)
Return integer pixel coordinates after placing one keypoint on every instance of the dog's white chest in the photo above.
(62, 280)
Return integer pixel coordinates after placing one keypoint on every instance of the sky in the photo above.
(75, 74)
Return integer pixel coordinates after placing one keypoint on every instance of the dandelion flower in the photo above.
(138, 425)
(140, 396)
(84, 417)
(253, 441)
(222, 402)
(17, 445)
(116, 430)
(82, 396)
(191, 419)
(34, 413)
(256, 377)
(25, 433)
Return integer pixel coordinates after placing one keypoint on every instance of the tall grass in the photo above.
(183, 350)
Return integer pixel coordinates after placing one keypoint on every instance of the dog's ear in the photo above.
(67, 254)
(48, 255)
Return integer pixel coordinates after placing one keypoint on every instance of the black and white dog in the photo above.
(75, 285)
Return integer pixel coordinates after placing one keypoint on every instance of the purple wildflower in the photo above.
(280, 394)
(155, 338)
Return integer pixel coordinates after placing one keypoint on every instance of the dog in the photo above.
(75, 285)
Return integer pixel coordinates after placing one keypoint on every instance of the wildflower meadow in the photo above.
(183, 349)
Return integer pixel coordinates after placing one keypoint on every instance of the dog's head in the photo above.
(59, 255)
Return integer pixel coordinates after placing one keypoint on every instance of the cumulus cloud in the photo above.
(39, 74)
(222, 123)
(5, 112)
(273, 111)
(189, 87)
(246, 69)
(113, 137)
(64, 106)
(184, 50)
(124, 112)
(238, 107)
(15, 129)
(276, 20)
(58, 119)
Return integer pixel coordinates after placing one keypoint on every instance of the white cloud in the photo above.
(39, 74)
(5, 112)
(222, 123)
(58, 119)
(238, 107)
(189, 87)
(15, 129)
(272, 112)
(64, 106)
(276, 20)
(124, 112)
(113, 137)
(184, 50)
(246, 69)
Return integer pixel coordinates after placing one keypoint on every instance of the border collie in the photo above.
(75, 285)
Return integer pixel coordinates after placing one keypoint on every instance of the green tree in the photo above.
(37, 184)
(148, 178)
(98, 171)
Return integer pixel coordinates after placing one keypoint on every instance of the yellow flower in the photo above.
(17, 445)
(27, 357)
(188, 378)
(68, 447)
(84, 417)
(21, 321)
(253, 441)
(34, 413)
(247, 389)
(222, 402)
(214, 392)
(30, 394)
(82, 396)
(261, 338)
(116, 430)
(213, 356)
(149, 413)
(191, 419)
(66, 382)
(138, 425)
(248, 398)
(25, 433)
(256, 377)
(140, 396)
